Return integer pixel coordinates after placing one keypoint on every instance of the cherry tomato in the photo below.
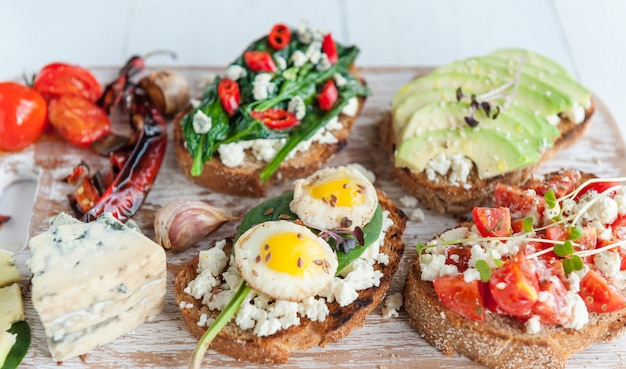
(80, 121)
(519, 202)
(275, 118)
(561, 183)
(553, 308)
(619, 227)
(58, 79)
(228, 91)
(599, 295)
(22, 116)
(463, 298)
(328, 96)
(514, 286)
(279, 36)
(493, 222)
(330, 48)
(459, 256)
(598, 187)
(259, 61)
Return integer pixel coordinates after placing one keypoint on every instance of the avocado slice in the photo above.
(564, 100)
(504, 155)
(522, 113)
(437, 116)
(449, 82)
(532, 59)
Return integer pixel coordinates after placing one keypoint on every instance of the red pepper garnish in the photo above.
(77, 174)
(279, 36)
(330, 48)
(228, 91)
(126, 193)
(4, 219)
(275, 118)
(121, 87)
(328, 96)
(260, 61)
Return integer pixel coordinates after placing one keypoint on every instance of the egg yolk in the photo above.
(294, 254)
(339, 192)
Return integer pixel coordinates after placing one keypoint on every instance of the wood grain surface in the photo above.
(380, 343)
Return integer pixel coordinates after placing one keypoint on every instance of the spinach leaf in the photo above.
(18, 351)
(277, 208)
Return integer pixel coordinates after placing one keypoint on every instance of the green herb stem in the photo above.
(222, 319)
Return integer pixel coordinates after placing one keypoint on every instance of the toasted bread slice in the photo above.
(276, 348)
(501, 341)
(245, 180)
(444, 197)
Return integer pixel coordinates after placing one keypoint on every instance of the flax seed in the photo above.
(300, 263)
(268, 257)
(268, 211)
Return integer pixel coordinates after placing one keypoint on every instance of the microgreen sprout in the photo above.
(527, 224)
(484, 270)
(343, 243)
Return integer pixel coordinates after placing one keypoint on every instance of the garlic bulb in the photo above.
(182, 223)
(168, 91)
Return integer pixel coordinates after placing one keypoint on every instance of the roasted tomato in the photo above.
(328, 96)
(60, 79)
(22, 116)
(493, 222)
(80, 121)
(599, 295)
(514, 286)
(553, 308)
(463, 298)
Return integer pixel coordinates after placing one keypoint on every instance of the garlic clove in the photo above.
(168, 90)
(183, 223)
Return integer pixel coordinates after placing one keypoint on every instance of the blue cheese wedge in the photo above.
(93, 282)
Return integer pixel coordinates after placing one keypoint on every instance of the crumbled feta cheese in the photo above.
(393, 302)
(608, 263)
(262, 86)
(580, 315)
(297, 107)
(351, 108)
(576, 114)
(201, 122)
(471, 274)
(533, 325)
(417, 215)
(202, 320)
(367, 173)
(299, 58)
(408, 201)
(620, 200)
(382, 259)
(333, 124)
(235, 72)
(430, 265)
(185, 305)
(601, 208)
(232, 154)
(340, 80)
(314, 52)
(281, 63)
(194, 103)
(314, 309)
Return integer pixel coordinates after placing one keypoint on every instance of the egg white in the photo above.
(316, 266)
(323, 213)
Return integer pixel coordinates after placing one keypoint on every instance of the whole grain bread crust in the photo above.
(276, 348)
(245, 179)
(501, 342)
(444, 197)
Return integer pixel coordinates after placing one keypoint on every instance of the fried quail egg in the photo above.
(334, 198)
(285, 260)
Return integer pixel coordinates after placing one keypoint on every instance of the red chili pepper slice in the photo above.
(328, 96)
(78, 120)
(275, 118)
(279, 36)
(260, 61)
(330, 48)
(228, 91)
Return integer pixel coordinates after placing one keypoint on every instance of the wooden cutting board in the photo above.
(380, 343)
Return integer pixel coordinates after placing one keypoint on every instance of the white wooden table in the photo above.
(587, 37)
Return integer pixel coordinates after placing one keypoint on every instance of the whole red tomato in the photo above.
(61, 79)
(22, 116)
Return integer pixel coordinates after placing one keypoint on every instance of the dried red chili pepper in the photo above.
(279, 36)
(275, 118)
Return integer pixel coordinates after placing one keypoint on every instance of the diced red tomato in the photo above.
(557, 233)
(618, 249)
(279, 36)
(463, 298)
(562, 183)
(492, 222)
(78, 120)
(553, 308)
(514, 286)
(58, 79)
(228, 91)
(275, 118)
(328, 96)
(259, 61)
(459, 256)
(599, 295)
(598, 187)
(619, 227)
(520, 203)
(330, 48)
